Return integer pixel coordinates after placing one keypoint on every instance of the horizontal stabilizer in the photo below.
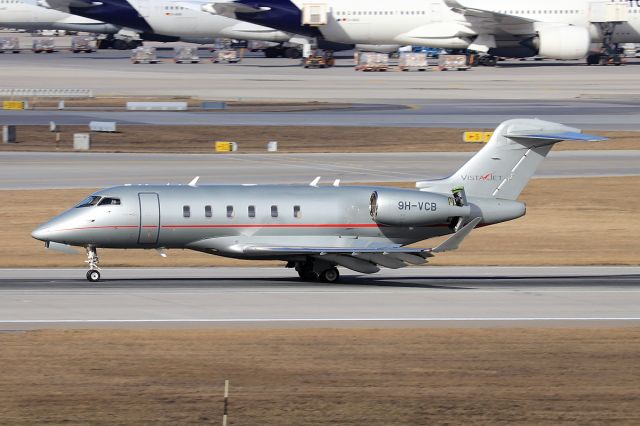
(557, 136)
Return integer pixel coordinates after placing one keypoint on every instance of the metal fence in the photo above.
(42, 93)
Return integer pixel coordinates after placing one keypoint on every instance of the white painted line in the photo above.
(228, 320)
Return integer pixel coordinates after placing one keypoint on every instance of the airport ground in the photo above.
(322, 376)
(562, 346)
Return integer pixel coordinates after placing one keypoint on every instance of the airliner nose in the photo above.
(40, 233)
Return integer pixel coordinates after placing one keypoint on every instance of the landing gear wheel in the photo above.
(93, 276)
(330, 275)
(120, 44)
(593, 59)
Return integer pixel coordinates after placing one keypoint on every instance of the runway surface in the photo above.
(594, 114)
(255, 78)
(92, 170)
(273, 297)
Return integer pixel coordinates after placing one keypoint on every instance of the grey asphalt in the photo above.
(584, 114)
(19, 170)
(423, 297)
(111, 73)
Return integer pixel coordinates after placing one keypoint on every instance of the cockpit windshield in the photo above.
(91, 200)
(109, 201)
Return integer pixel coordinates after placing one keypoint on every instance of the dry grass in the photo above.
(322, 377)
(251, 139)
(586, 221)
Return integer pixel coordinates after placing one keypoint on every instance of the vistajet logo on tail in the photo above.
(489, 177)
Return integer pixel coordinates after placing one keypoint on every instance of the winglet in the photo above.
(194, 182)
(456, 239)
(336, 182)
(315, 181)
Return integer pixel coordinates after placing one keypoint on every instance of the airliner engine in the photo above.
(413, 208)
(562, 42)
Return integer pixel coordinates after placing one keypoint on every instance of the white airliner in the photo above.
(26, 15)
(169, 18)
(561, 29)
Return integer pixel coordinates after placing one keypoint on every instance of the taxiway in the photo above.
(22, 170)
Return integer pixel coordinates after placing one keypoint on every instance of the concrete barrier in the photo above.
(82, 141)
(103, 126)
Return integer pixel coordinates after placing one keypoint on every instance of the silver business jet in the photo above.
(314, 228)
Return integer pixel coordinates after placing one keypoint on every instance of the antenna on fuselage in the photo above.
(336, 182)
(315, 181)
(194, 182)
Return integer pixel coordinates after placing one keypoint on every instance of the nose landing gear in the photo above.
(93, 275)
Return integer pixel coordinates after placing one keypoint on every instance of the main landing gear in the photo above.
(93, 275)
(317, 271)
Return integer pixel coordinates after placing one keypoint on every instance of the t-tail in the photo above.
(502, 168)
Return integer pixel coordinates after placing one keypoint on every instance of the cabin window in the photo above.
(229, 211)
(109, 201)
(274, 211)
(186, 211)
(207, 211)
(89, 201)
(296, 212)
(252, 211)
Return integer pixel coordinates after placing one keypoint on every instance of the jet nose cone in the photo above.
(40, 233)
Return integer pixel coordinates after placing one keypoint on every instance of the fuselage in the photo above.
(172, 18)
(431, 23)
(27, 15)
(177, 216)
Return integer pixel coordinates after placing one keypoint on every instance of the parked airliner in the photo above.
(561, 29)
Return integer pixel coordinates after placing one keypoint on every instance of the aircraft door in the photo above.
(435, 14)
(149, 218)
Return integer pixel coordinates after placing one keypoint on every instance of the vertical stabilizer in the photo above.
(502, 168)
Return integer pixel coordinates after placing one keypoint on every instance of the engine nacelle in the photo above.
(562, 42)
(496, 210)
(413, 208)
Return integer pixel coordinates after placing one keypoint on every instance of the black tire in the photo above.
(331, 275)
(93, 276)
(491, 62)
(120, 45)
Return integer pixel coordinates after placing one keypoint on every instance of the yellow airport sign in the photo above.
(224, 146)
(12, 105)
(477, 137)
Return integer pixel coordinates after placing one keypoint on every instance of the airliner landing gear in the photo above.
(610, 53)
(331, 275)
(317, 271)
(93, 274)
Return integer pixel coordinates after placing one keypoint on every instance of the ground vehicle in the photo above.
(319, 59)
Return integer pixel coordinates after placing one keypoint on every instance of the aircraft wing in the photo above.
(229, 8)
(64, 5)
(487, 16)
(367, 259)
